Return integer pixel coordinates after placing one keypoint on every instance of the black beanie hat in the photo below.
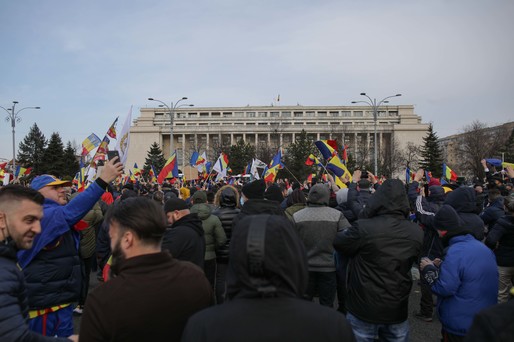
(448, 219)
(273, 193)
(255, 189)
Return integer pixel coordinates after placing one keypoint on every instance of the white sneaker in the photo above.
(78, 310)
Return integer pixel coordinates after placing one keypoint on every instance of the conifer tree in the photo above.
(70, 163)
(296, 155)
(154, 157)
(53, 157)
(240, 155)
(31, 149)
(431, 153)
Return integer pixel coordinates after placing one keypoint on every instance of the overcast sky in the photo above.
(86, 62)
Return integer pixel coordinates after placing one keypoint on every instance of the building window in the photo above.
(263, 124)
(262, 114)
(215, 114)
(274, 114)
(250, 114)
(227, 114)
(204, 114)
(298, 114)
(334, 114)
(322, 114)
(239, 114)
(193, 115)
(358, 114)
(250, 124)
(334, 123)
(214, 124)
(346, 113)
(179, 124)
(203, 123)
(180, 140)
(286, 114)
(309, 113)
(310, 123)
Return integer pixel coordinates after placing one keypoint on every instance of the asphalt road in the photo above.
(420, 331)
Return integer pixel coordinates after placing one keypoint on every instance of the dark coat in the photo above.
(383, 245)
(14, 305)
(493, 212)
(257, 207)
(226, 213)
(463, 200)
(268, 307)
(501, 240)
(185, 241)
(150, 300)
(494, 324)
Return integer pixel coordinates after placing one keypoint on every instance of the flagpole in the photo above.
(285, 167)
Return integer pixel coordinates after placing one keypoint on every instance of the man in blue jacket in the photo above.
(21, 210)
(52, 265)
(466, 281)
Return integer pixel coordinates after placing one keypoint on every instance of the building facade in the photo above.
(211, 128)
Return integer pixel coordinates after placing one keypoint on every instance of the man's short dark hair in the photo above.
(141, 215)
(15, 192)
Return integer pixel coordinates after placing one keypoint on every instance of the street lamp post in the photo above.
(375, 106)
(12, 115)
(171, 110)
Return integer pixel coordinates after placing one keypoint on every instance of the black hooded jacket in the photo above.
(383, 245)
(265, 286)
(258, 207)
(463, 200)
(185, 241)
(227, 211)
(501, 240)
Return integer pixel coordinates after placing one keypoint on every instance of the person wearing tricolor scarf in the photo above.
(52, 265)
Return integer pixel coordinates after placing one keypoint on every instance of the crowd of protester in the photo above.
(202, 261)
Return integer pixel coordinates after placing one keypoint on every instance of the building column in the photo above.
(196, 141)
(317, 136)
(281, 139)
(208, 144)
(269, 139)
(256, 140)
(183, 148)
(231, 139)
(244, 137)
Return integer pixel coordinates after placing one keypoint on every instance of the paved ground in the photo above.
(419, 331)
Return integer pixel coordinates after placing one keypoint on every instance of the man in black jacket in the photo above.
(21, 210)
(383, 245)
(184, 237)
(266, 278)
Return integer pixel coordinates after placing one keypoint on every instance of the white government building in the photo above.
(209, 128)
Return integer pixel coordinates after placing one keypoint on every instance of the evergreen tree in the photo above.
(154, 157)
(240, 155)
(431, 153)
(297, 154)
(31, 149)
(70, 163)
(53, 157)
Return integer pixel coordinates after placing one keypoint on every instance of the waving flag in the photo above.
(90, 143)
(326, 150)
(122, 144)
(271, 173)
(112, 130)
(277, 160)
(409, 175)
(336, 165)
(152, 174)
(136, 170)
(194, 158)
(170, 169)
(21, 171)
(311, 160)
(221, 163)
(449, 173)
(345, 154)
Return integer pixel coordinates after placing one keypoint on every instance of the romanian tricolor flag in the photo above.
(271, 174)
(153, 174)
(345, 154)
(170, 169)
(311, 160)
(21, 171)
(202, 159)
(327, 151)
(102, 149)
(90, 143)
(2, 175)
(112, 130)
(409, 175)
(3, 165)
(136, 170)
(277, 160)
(194, 158)
(449, 173)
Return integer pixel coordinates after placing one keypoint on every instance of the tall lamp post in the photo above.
(375, 105)
(171, 110)
(13, 116)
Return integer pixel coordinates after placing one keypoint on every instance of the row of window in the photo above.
(273, 123)
(283, 114)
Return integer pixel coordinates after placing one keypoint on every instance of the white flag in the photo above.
(221, 175)
(256, 163)
(122, 145)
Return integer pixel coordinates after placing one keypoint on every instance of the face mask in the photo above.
(241, 201)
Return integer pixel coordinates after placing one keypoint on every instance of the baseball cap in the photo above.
(175, 204)
(47, 180)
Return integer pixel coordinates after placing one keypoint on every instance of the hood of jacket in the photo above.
(227, 196)
(389, 199)
(203, 210)
(276, 267)
(436, 194)
(190, 221)
(463, 200)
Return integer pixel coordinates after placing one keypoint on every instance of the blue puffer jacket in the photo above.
(468, 283)
(13, 300)
(52, 265)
